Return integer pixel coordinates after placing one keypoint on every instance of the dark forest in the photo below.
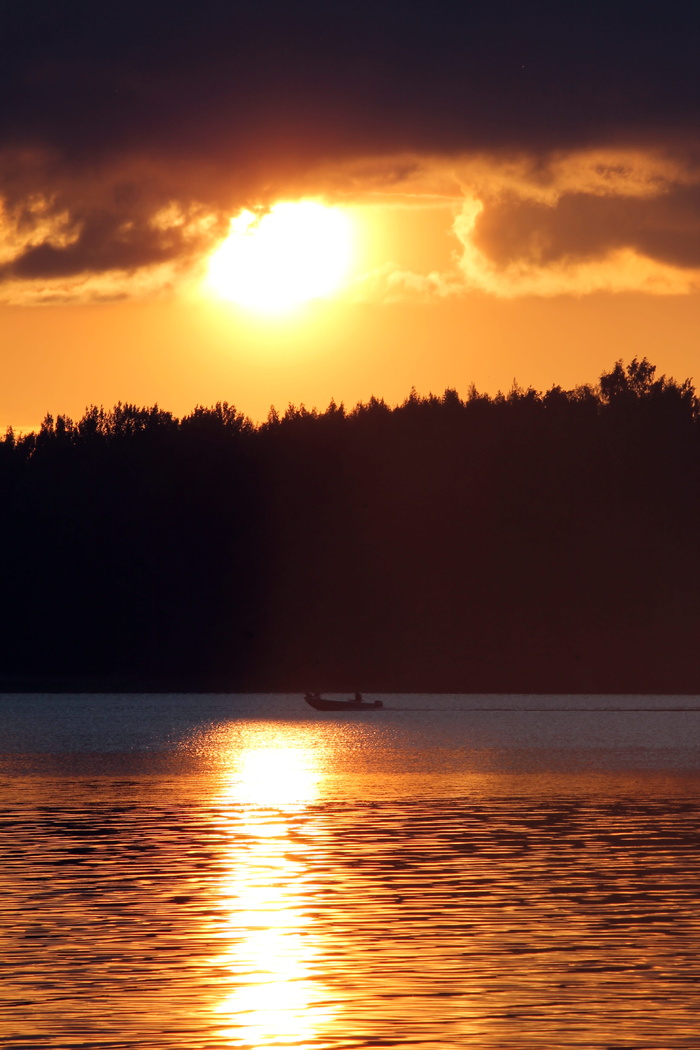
(527, 542)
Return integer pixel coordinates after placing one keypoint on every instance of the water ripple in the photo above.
(171, 914)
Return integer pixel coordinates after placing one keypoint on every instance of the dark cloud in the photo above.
(226, 98)
(228, 77)
(104, 242)
(585, 226)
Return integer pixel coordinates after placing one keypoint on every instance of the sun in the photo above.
(278, 259)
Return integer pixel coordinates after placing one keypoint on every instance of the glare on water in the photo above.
(270, 947)
(504, 874)
(275, 774)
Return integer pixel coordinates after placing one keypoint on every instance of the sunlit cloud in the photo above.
(33, 222)
(147, 283)
(392, 284)
(522, 224)
(573, 224)
(122, 153)
(612, 269)
(76, 236)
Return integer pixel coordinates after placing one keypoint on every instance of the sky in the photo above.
(517, 186)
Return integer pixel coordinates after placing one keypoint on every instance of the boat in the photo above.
(319, 703)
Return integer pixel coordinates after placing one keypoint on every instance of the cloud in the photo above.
(130, 132)
(590, 264)
(581, 226)
(571, 224)
(129, 229)
(392, 284)
(629, 222)
(307, 78)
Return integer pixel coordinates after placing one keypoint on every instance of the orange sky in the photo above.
(523, 182)
(183, 345)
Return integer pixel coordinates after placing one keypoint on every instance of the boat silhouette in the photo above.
(356, 703)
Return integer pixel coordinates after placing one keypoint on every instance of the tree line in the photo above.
(524, 542)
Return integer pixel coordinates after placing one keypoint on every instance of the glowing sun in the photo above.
(283, 257)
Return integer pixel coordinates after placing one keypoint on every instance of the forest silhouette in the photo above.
(526, 542)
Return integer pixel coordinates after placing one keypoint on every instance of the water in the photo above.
(241, 872)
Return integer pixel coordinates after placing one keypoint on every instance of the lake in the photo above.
(450, 871)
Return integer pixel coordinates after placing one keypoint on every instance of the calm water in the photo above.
(241, 872)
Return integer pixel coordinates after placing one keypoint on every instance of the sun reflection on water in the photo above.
(274, 995)
(277, 776)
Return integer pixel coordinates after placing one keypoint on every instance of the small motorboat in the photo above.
(319, 703)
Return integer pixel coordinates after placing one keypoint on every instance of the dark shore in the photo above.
(530, 542)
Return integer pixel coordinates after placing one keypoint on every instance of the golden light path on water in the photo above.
(271, 946)
(286, 881)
